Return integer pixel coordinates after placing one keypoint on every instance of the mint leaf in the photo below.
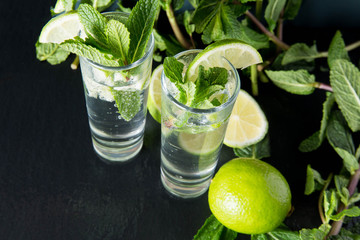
(351, 212)
(296, 82)
(298, 52)
(313, 181)
(341, 140)
(315, 141)
(208, 82)
(259, 150)
(337, 49)
(345, 81)
(173, 69)
(315, 233)
(214, 230)
(94, 24)
(204, 13)
(253, 38)
(223, 25)
(280, 233)
(128, 103)
(189, 27)
(140, 24)
(272, 12)
(79, 47)
(51, 52)
(118, 39)
(292, 8)
(63, 6)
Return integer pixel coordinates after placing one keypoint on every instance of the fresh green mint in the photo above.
(197, 94)
(113, 43)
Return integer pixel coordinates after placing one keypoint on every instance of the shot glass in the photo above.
(191, 139)
(116, 99)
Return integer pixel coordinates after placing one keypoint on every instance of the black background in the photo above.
(53, 186)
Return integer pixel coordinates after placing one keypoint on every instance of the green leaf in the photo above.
(190, 28)
(315, 141)
(140, 25)
(208, 82)
(313, 181)
(79, 47)
(280, 233)
(292, 8)
(341, 183)
(177, 4)
(298, 52)
(63, 6)
(214, 230)
(128, 103)
(253, 38)
(204, 13)
(122, 8)
(345, 82)
(94, 24)
(118, 39)
(272, 12)
(223, 25)
(351, 212)
(259, 150)
(168, 43)
(173, 69)
(337, 49)
(330, 203)
(297, 82)
(345, 235)
(315, 233)
(341, 140)
(51, 52)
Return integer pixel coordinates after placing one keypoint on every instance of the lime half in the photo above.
(60, 28)
(154, 99)
(241, 55)
(247, 124)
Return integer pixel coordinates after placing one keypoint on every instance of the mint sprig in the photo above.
(112, 43)
(196, 94)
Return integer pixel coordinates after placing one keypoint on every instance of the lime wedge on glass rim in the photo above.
(240, 54)
(60, 28)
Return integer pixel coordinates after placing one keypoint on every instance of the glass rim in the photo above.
(200, 110)
(138, 62)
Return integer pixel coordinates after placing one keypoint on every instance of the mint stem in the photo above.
(280, 29)
(273, 38)
(323, 86)
(175, 27)
(74, 65)
(253, 77)
(258, 8)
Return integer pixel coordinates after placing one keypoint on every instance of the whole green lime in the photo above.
(249, 196)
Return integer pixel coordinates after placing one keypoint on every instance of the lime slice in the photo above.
(154, 99)
(241, 55)
(201, 143)
(247, 123)
(60, 28)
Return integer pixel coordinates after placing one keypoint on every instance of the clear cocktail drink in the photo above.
(191, 138)
(116, 99)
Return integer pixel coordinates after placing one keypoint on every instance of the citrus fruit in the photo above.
(201, 143)
(241, 55)
(60, 28)
(154, 99)
(249, 196)
(247, 124)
